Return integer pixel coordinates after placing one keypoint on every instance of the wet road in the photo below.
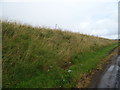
(111, 76)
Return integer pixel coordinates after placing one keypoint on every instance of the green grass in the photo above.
(41, 57)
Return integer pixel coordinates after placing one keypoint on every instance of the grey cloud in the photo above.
(96, 18)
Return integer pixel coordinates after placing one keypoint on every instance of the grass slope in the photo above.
(42, 57)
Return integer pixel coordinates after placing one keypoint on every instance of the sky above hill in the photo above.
(93, 17)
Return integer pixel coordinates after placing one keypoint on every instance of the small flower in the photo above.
(69, 70)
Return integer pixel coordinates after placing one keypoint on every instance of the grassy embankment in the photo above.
(41, 57)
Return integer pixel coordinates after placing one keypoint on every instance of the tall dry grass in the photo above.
(29, 51)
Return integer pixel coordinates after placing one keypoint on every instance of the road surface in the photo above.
(111, 77)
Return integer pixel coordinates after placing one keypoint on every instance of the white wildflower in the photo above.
(69, 70)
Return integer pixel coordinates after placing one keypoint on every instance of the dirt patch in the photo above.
(66, 65)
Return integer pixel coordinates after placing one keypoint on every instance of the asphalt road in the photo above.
(111, 77)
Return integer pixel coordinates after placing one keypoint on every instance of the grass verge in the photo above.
(45, 58)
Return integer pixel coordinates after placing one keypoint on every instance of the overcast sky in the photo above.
(93, 17)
